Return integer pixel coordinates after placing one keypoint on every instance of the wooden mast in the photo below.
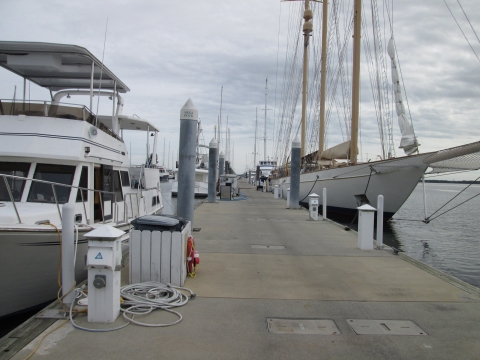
(307, 29)
(323, 80)
(357, 29)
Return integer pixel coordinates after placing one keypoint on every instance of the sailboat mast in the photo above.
(323, 80)
(255, 146)
(220, 120)
(227, 143)
(357, 28)
(265, 126)
(307, 29)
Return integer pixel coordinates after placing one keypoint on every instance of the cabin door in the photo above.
(107, 185)
(103, 181)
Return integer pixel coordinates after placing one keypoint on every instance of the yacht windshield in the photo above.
(16, 185)
(42, 192)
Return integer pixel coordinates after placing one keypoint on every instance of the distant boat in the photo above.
(266, 167)
(164, 175)
(54, 153)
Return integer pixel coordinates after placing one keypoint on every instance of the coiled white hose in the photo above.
(142, 299)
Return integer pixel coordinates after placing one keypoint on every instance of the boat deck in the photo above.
(246, 279)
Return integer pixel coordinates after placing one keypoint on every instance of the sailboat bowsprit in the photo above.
(350, 182)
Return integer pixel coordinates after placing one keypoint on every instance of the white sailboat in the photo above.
(53, 153)
(266, 166)
(348, 181)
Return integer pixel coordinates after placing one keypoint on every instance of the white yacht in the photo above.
(54, 152)
(164, 175)
(201, 183)
(266, 167)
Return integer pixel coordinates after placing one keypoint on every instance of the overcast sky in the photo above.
(169, 51)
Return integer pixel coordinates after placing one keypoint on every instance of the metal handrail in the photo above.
(131, 204)
(53, 184)
(12, 199)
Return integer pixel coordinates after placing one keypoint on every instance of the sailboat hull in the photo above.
(344, 183)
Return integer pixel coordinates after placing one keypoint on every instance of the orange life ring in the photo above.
(193, 258)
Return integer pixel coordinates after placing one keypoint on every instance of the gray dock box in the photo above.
(158, 246)
(225, 192)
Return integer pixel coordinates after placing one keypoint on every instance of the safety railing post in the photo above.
(56, 201)
(12, 199)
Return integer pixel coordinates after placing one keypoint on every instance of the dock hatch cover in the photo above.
(302, 326)
(270, 247)
(385, 327)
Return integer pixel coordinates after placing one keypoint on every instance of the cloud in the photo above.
(168, 51)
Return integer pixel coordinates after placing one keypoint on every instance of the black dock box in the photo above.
(159, 223)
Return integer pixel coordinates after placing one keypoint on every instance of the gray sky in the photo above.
(169, 51)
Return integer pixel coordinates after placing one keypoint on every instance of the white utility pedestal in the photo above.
(276, 192)
(104, 262)
(313, 207)
(365, 227)
(288, 197)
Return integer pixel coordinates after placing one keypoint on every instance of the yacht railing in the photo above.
(53, 109)
(82, 189)
(130, 196)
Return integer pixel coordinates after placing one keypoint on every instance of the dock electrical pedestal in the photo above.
(313, 207)
(365, 227)
(104, 262)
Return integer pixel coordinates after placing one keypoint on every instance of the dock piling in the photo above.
(212, 166)
(186, 166)
(221, 164)
(295, 174)
(324, 204)
(68, 253)
(380, 222)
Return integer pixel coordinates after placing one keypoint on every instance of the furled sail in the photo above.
(340, 151)
(408, 142)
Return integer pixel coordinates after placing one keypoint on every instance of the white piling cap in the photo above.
(104, 232)
(296, 143)
(222, 154)
(213, 144)
(189, 111)
(366, 207)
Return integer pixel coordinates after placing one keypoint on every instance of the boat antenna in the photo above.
(101, 69)
(220, 119)
(265, 125)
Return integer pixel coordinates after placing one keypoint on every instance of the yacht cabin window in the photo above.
(83, 184)
(16, 185)
(42, 192)
(125, 178)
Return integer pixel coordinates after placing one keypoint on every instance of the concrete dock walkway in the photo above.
(246, 278)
